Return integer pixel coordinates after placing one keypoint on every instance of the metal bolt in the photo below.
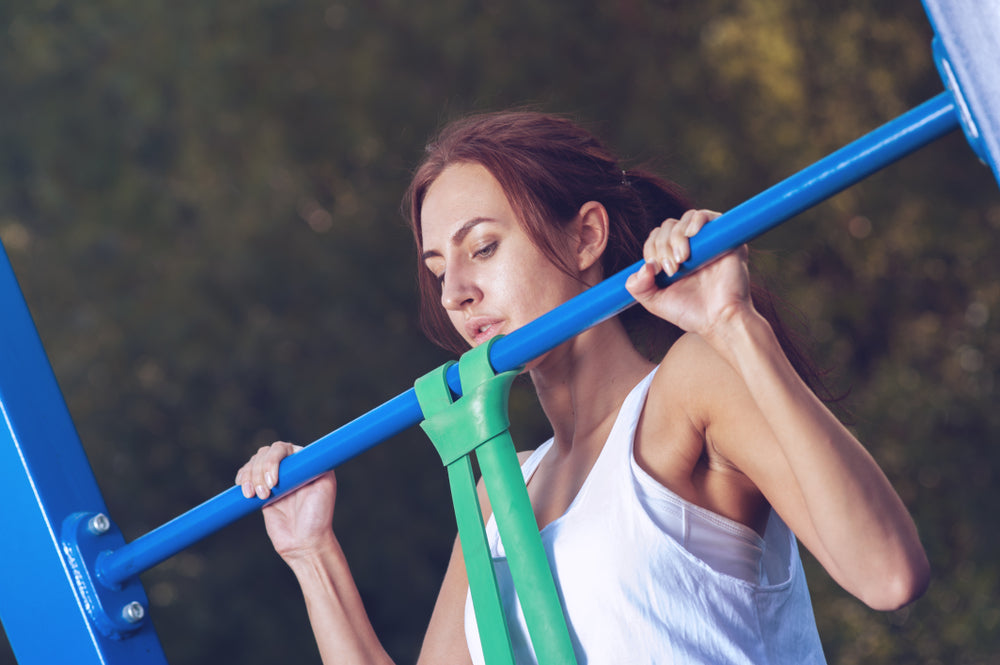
(133, 612)
(99, 524)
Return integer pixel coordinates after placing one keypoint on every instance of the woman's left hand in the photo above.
(299, 523)
(703, 299)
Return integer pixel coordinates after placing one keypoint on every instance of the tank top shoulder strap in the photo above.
(609, 480)
(530, 464)
(623, 431)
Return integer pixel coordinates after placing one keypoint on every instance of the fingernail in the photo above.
(247, 490)
(269, 479)
(261, 492)
(678, 255)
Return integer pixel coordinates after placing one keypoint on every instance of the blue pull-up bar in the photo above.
(741, 224)
(83, 581)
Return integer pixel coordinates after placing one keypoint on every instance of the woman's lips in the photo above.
(482, 329)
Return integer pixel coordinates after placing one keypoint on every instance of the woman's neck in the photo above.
(582, 383)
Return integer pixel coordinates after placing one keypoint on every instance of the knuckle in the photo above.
(279, 450)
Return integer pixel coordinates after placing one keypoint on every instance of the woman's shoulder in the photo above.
(685, 345)
(694, 358)
(692, 376)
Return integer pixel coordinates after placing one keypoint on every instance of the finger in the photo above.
(267, 464)
(642, 281)
(649, 254)
(244, 477)
(278, 451)
(699, 220)
(243, 473)
(255, 480)
(688, 214)
(658, 251)
(680, 248)
(690, 225)
(262, 472)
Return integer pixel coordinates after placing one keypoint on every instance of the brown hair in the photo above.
(549, 166)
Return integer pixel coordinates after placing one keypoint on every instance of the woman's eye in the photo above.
(486, 251)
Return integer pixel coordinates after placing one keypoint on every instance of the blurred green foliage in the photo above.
(201, 201)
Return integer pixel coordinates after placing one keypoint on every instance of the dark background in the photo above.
(201, 201)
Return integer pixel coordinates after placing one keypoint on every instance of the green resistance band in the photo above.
(478, 422)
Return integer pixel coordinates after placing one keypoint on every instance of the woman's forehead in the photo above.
(461, 195)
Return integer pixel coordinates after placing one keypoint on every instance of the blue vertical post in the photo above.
(966, 48)
(54, 524)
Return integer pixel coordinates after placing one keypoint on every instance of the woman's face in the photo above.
(494, 279)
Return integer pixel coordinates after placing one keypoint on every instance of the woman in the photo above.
(685, 432)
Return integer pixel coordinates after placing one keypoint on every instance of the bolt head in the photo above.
(99, 524)
(133, 612)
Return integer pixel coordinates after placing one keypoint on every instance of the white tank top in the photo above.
(646, 577)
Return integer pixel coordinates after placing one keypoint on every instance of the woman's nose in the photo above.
(458, 290)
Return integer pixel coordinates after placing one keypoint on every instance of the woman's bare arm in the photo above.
(761, 418)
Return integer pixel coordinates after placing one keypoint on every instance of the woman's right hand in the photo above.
(300, 523)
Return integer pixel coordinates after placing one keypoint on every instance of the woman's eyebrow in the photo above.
(459, 235)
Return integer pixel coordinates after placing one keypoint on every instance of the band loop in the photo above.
(478, 422)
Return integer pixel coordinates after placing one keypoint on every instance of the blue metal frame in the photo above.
(49, 614)
(967, 50)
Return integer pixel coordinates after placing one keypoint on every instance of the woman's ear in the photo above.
(592, 235)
